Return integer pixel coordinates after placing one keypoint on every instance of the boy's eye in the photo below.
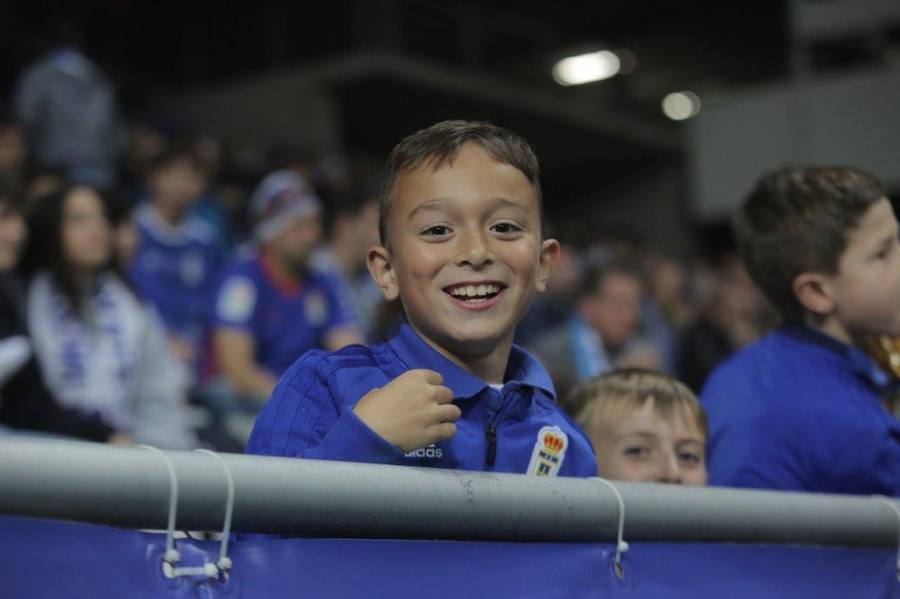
(436, 230)
(637, 452)
(887, 250)
(506, 228)
(690, 458)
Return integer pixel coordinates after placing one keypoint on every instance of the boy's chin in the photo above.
(474, 343)
(882, 336)
(886, 327)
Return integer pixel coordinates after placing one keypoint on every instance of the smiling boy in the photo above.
(462, 250)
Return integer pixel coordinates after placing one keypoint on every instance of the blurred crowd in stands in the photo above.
(159, 281)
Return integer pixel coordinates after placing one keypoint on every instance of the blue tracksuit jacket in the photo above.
(517, 429)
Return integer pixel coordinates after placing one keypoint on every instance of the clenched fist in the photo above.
(412, 411)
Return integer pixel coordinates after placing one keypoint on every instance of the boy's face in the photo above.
(465, 254)
(866, 290)
(643, 446)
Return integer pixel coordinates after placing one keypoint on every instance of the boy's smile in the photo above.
(465, 254)
(476, 295)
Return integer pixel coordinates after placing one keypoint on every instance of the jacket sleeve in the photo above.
(305, 418)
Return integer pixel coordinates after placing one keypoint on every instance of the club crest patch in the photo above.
(237, 300)
(549, 452)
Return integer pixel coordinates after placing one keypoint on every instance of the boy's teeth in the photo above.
(475, 290)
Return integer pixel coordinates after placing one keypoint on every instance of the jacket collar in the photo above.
(521, 368)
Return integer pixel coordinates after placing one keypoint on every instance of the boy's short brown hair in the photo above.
(440, 143)
(600, 399)
(798, 220)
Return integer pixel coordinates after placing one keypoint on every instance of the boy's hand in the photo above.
(412, 411)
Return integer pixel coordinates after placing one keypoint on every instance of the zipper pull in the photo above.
(491, 433)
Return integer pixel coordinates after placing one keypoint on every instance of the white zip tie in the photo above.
(224, 562)
(892, 503)
(171, 556)
(621, 545)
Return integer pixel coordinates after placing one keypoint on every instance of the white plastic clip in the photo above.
(172, 557)
(621, 544)
(224, 562)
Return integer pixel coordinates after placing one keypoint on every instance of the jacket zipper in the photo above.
(491, 433)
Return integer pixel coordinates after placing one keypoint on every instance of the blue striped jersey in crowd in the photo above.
(285, 318)
(175, 268)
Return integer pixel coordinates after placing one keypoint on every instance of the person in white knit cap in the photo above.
(272, 306)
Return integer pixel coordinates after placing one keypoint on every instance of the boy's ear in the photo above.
(814, 292)
(381, 267)
(548, 259)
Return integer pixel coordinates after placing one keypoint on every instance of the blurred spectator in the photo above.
(733, 317)
(645, 427)
(668, 281)
(68, 108)
(554, 306)
(210, 208)
(353, 230)
(665, 310)
(125, 235)
(298, 159)
(143, 143)
(178, 256)
(603, 333)
(25, 401)
(102, 352)
(13, 154)
(271, 306)
(41, 184)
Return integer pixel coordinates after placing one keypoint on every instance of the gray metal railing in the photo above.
(129, 487)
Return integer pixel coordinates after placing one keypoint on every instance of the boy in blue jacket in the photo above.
(800, 409)
(462, 250)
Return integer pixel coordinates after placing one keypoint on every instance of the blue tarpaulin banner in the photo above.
(42, 559)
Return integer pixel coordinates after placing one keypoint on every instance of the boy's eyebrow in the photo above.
(507, 203)
(887, 240)
(691, 440)
(639, 433)
(435, 204)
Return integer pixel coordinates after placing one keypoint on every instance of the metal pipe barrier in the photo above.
(129, 487)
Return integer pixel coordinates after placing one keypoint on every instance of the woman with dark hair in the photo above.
(25, 401)
(101, 350)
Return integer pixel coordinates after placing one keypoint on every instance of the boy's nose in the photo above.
(669, 469)
(473, 250)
